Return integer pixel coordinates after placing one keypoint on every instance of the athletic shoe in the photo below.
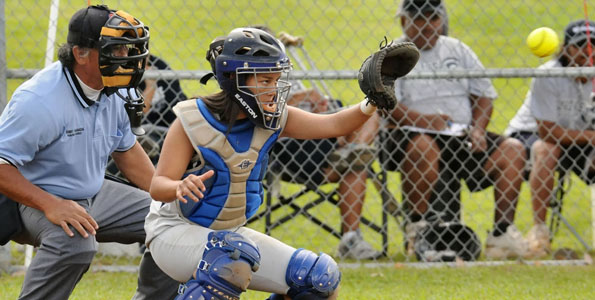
(352, 245)
(538, 240)
(510, 244)
(411, 231)
(354, 156)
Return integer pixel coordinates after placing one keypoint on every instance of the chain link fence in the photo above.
(316, 190)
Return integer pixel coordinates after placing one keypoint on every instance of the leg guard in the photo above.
(310, 276)
(225, 270)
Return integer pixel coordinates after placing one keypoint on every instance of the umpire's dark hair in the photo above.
(65, 55)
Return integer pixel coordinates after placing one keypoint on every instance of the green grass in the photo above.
(502, 282)
(339, 34)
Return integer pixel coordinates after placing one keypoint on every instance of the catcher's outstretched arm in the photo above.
(304, 125)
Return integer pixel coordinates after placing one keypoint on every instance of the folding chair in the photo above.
(276, 174)
(562, 185)
(556, 204)
(295, 47)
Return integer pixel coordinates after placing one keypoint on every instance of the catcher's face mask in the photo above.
(264, 87)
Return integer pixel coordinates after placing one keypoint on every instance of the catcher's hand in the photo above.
(379, 71)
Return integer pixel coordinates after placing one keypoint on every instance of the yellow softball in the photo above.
(543, 41)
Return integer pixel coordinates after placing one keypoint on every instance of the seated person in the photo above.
(523, 127)
(160, 96)
(480, 157)
(564, 112)
(343, 160)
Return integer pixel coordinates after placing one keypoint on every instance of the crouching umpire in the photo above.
(56, 135)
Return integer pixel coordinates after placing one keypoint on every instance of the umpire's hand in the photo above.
(64, 212)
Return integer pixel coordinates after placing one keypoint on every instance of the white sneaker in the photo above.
(538, 240)
(510, 244)
(354, 156)
(411, 231)
(352, 245)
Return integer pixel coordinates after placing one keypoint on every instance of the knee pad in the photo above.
(225, 270)
(310, 276)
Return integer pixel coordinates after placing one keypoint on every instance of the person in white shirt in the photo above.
(429, 106)
(561, 112)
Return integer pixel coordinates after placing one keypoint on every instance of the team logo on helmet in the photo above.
(246, 107)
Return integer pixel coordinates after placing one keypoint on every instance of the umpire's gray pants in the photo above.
(61, 260)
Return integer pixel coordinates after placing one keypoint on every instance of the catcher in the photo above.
(209, 178)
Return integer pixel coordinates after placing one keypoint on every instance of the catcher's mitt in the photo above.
(379, 71)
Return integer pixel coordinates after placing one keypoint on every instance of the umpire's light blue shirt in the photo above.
(57, 138)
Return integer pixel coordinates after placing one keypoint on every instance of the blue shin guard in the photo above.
(310, 276)
(225, 270)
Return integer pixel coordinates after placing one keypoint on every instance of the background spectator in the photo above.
(428, 142)
(565, 113)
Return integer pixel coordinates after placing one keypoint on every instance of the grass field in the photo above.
(502, 282)
(339, 34)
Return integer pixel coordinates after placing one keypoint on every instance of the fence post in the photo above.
(3, 67)
(593, 216)
(5, 256)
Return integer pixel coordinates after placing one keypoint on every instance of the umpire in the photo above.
(56, 135)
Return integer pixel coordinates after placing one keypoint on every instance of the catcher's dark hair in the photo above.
(220, 104)
(65, 55)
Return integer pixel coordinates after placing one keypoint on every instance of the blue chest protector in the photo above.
(239, 160)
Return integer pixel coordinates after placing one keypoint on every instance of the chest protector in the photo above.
(239, 160)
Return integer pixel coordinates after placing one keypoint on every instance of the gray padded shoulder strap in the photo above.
(240, 165)
(182, 110)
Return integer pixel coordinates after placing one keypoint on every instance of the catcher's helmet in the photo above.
(444, 241)
(248, 52)
(123, 50)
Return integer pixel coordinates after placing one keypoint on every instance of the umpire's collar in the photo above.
(76, 88)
